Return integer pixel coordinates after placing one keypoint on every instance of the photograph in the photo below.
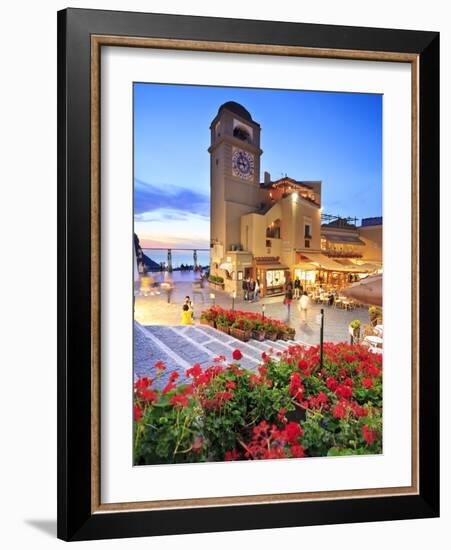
(257, 274)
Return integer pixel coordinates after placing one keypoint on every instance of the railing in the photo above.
(341, 254)
(170, 250)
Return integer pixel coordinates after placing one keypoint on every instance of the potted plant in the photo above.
(375, 315)
(354, 329)
(208, 317)
(258, 331)
(282, 333)
(291, 333)
(271, 331)
(223, 323)
(241, 329)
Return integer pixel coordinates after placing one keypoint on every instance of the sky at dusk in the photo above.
(332, 137)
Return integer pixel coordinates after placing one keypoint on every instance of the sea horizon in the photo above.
(179, 257)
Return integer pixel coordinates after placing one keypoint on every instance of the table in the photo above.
(379, 329)
(374, 340)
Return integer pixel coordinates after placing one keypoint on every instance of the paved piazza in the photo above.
(159, 336)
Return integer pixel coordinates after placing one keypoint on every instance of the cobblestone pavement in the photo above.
(159, 336)
(180, 347)
(155, 310)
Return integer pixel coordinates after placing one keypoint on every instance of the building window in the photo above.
(307, 231)
(240, 133)
(273, 231)
(307, 243)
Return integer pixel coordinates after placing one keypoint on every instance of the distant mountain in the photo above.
(142, 259)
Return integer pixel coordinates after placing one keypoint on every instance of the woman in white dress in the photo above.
(303, 305)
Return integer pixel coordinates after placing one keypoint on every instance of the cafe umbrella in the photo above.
(367, 291)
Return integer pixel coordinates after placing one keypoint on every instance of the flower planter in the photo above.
(243, 335)
(223, 328)
(207, 322)
(258, 335)
(285, 336)
(271, 336)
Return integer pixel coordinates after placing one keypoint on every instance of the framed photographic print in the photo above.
(248, 274)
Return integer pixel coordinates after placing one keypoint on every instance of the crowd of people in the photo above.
(295, 290)
(251, 289)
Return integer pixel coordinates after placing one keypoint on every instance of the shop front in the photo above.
(272, 276)
(316, 270)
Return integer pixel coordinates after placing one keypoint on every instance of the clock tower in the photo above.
(234, 175)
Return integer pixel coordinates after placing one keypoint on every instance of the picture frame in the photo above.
(81, 36)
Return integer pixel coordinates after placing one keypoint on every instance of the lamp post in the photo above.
(212, 298)
(321, 339)
(263, 311)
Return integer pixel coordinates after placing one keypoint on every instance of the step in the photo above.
(180, 347)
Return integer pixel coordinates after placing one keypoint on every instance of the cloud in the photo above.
(164, 215)
(149, 198)
(180, 243)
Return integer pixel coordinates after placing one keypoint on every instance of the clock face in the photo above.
(242, 164)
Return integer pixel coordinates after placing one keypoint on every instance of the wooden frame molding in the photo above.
(97, 41)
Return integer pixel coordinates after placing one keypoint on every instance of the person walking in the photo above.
(303, 306)
(251, 290)
(288, 297)
(245, 286)
(297, 288)
(256, 289)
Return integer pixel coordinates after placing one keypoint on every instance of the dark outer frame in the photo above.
(77, 520)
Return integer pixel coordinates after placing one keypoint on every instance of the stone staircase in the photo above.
(180, 347)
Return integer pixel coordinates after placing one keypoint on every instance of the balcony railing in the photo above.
(341, 254)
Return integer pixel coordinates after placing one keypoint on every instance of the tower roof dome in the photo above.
(236, 108)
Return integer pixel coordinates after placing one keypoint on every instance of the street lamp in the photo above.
(212, 298)
(233, 295)
(320, 322)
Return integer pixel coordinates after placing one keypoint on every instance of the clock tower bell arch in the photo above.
(234, 173)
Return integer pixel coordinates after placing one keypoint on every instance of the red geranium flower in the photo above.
(194, 371)
(169, 386)
(331, 383)
(339, 410)
(179, 401)
(367, 383)
(343, 391)
(149, 395)
(137, 412)
(237, 355)
(369, 435)
(231, 455)
(292, 432)
(159, 365)
(297, 451)
(173, 376)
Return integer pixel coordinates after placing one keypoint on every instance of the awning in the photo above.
(324, 262)
(227, 266)
(343, 239)
(305, 266)
(368, 266)
(271, 267)
(352, 266)
(363, 267)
